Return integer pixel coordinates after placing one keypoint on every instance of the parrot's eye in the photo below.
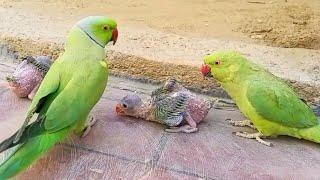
(124, 105)
(105, 27)
(218, 62)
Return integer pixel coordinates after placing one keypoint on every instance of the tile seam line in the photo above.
(193, 174)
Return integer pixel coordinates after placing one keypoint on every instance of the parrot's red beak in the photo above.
(115, 36)
(119, 110)
(206, 70)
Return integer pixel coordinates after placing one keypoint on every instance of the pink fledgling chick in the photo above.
(172, 105)
(28, 76)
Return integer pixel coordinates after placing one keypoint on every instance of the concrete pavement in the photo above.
(126, 148)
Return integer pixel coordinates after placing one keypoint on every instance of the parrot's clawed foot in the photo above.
(185, 129)
(91, 120)
(242, 123)
(223, 104)
(256, 136)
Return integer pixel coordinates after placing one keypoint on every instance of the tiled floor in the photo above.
(126, 148)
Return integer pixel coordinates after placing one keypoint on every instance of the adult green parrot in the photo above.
(70, 89)
(272, 106)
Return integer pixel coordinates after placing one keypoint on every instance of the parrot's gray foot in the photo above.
(185, 129)
(241, 123)
(223, 104)
(91, 120)
(256, 136)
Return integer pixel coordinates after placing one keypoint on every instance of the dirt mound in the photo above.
(141, 69)
(289, 26)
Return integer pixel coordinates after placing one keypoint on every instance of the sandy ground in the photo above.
(291, 23)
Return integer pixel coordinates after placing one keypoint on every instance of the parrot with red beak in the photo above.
(73, 85)
(267, 101)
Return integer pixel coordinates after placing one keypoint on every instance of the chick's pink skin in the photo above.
(28, 79)
(197, 108)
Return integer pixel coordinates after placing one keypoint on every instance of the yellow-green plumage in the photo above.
(70, 89)
(273, 107)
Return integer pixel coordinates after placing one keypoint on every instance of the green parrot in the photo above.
(72, 86)
(271, 105)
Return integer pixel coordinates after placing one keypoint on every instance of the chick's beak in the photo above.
(206, 70)
(115, 36)
(119, 109)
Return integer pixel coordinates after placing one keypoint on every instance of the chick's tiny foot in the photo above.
(33, 92)
(184, 129)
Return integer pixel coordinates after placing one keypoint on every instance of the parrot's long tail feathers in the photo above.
(30, 151)
(32, 130)
(311, 134)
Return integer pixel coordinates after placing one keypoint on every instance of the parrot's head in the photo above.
(100, 29)
(223, 65)
(129, 105)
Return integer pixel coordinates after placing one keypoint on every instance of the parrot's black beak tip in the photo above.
(209, 75)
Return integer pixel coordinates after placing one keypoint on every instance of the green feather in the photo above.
(278, 103)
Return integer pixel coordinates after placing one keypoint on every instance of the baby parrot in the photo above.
(27, 77)
(171, 104)
(73, 85)
(272, 106)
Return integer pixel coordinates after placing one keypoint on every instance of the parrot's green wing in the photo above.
(81, 92)
(49, 85)
(277, 102)
(58, 118)
(170, 110)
